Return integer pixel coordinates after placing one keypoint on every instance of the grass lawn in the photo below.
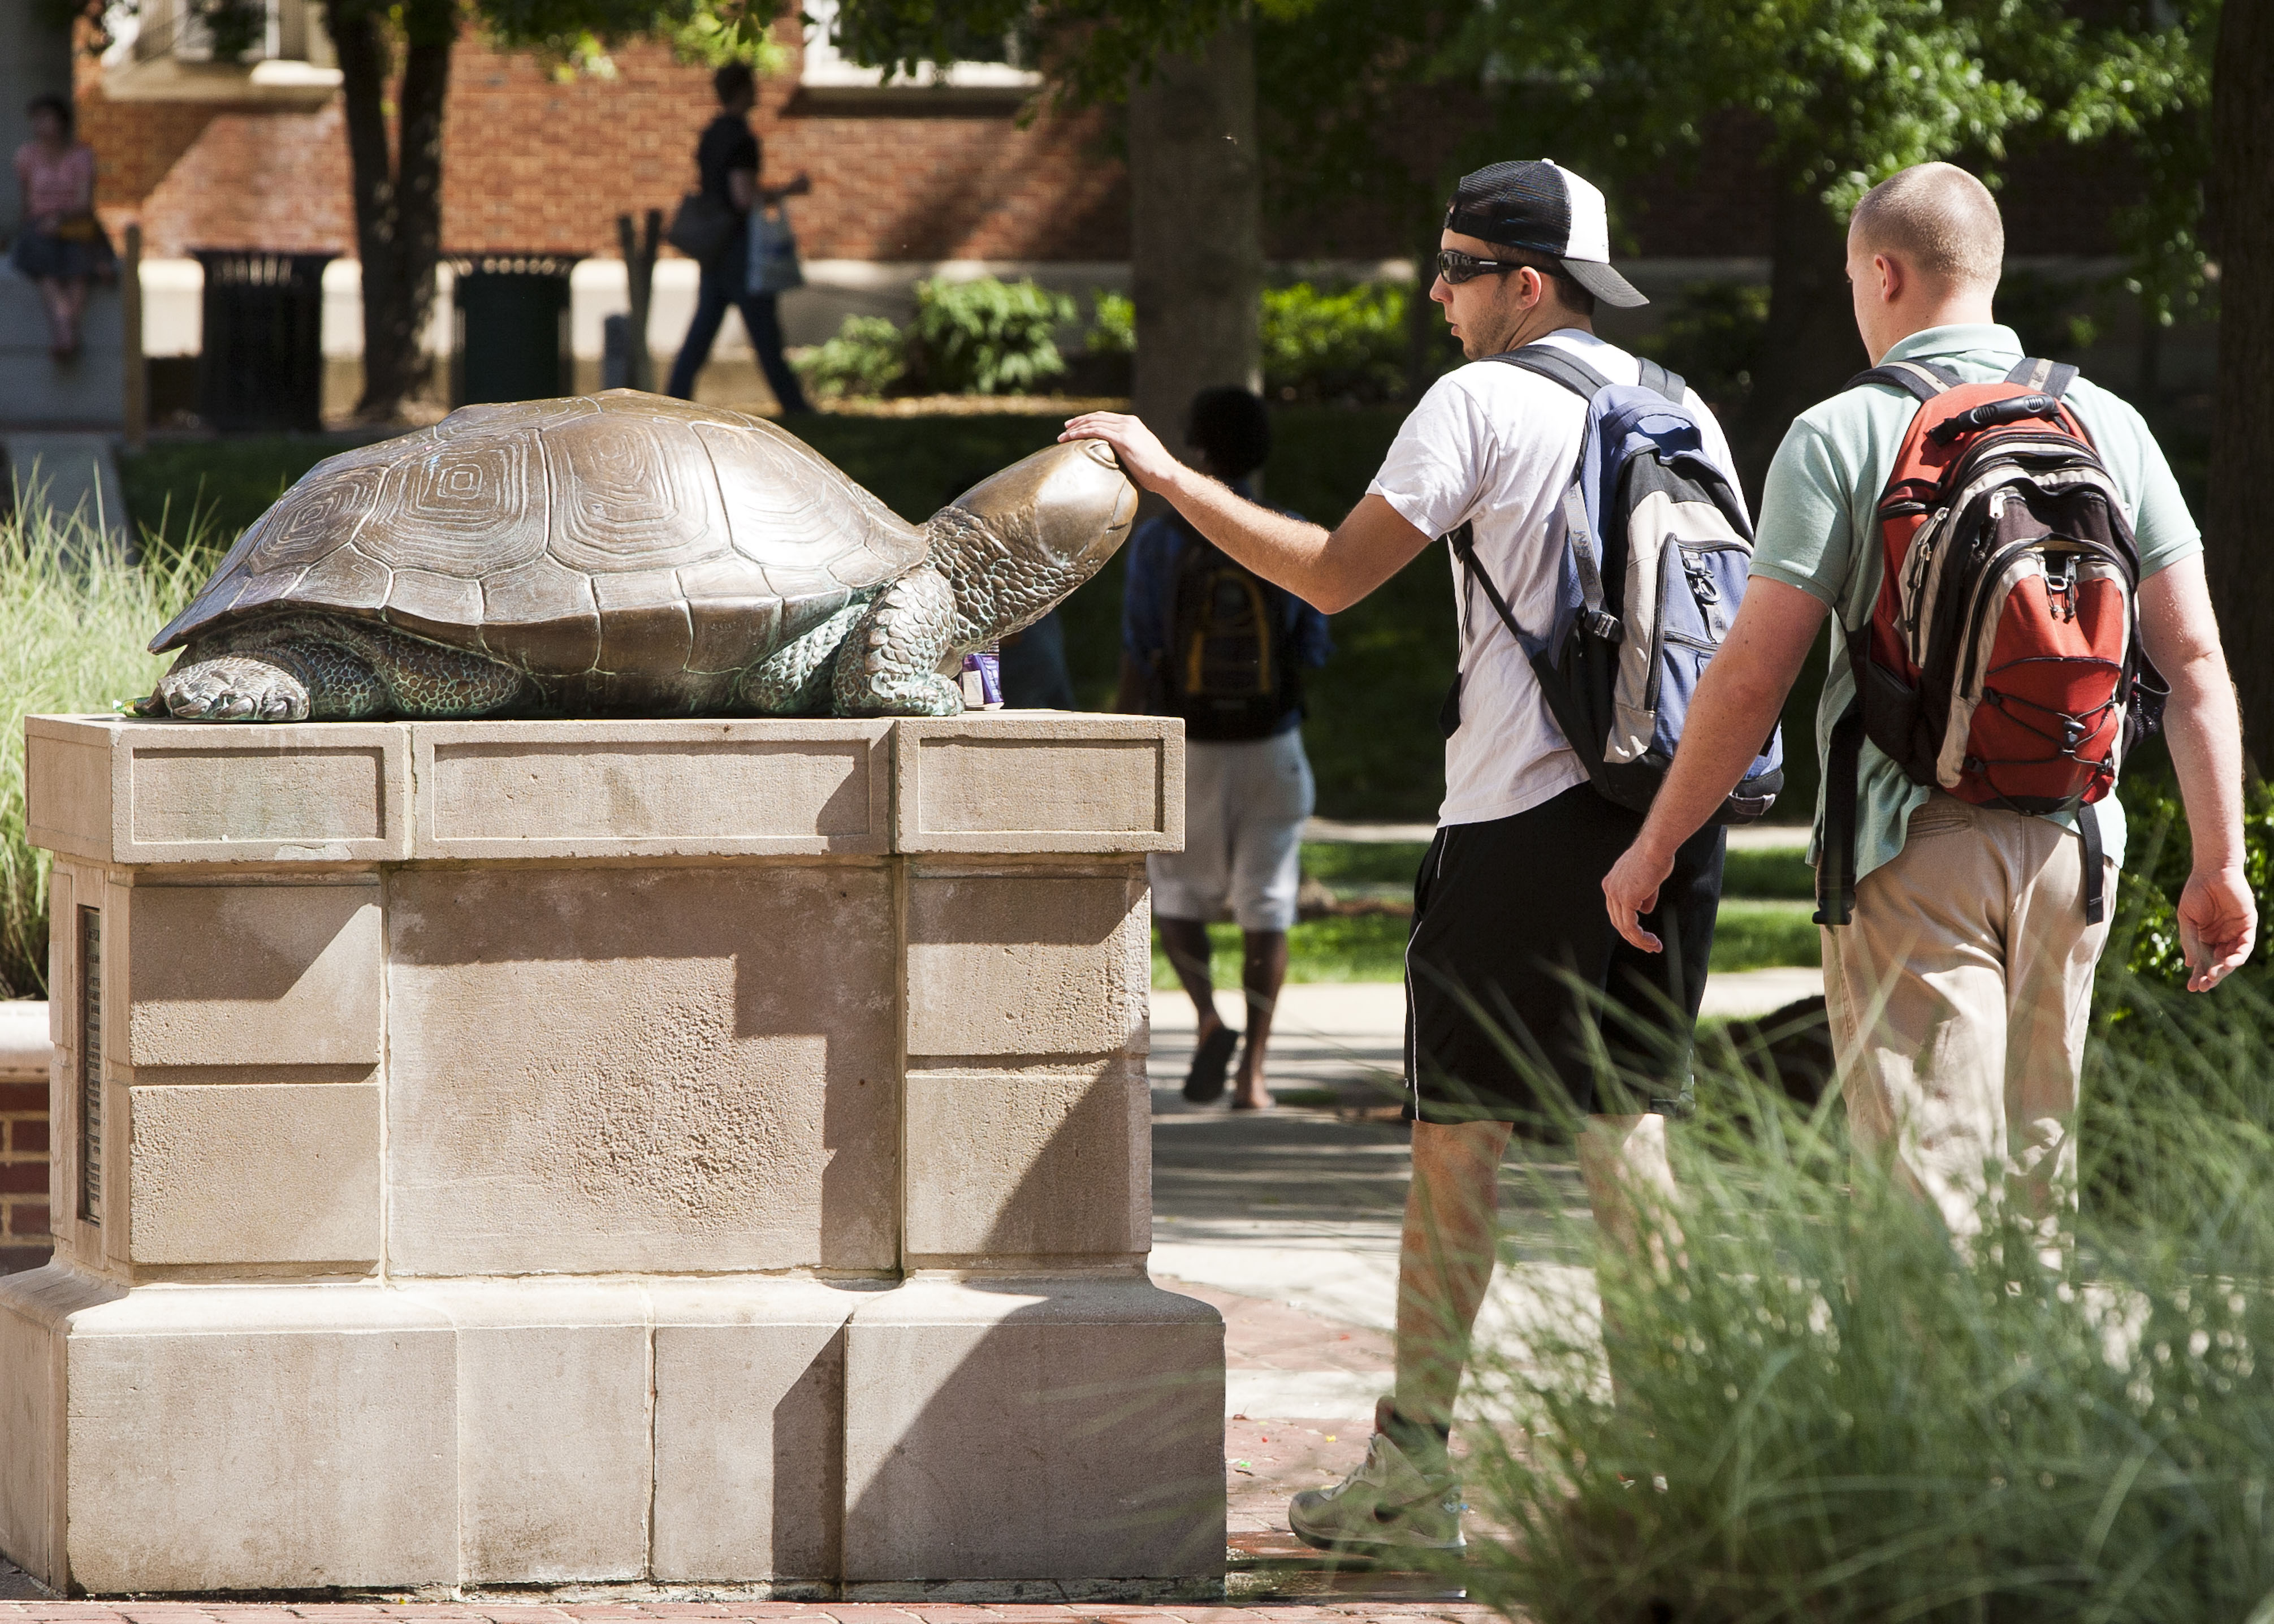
(1768, 897)
(1784, 874)
(1371, 947)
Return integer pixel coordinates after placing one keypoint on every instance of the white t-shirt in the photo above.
(1493, 446)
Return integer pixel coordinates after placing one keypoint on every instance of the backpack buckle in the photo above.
(1604, 624)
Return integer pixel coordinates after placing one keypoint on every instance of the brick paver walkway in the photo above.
(1318, 1610)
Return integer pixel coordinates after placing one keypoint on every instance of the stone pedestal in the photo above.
(681, 1155)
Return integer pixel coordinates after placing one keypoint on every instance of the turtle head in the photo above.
(1016, 543)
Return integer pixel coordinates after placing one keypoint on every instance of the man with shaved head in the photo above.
(1959, 991)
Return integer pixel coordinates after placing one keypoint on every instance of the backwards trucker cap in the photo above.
(1545, 207)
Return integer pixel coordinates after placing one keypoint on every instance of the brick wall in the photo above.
(24, 1241)
(533, 162)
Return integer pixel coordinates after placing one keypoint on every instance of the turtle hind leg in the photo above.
(317, 668)
(890, 664)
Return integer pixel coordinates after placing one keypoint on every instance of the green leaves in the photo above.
(1092, 51)
(577, 33)
(990, 337)
(1851, 90)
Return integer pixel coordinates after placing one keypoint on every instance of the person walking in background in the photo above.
(1959, 991)
(729, 160)
(1508, 918)
(60, 244)
(1205, 639)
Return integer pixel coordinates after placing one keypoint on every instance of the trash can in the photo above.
(261, 363)
(512, 337)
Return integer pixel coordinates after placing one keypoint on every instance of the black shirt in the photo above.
(726, 146)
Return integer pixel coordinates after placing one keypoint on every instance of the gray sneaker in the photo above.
(1389, 1503)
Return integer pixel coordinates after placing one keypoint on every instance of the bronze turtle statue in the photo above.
(624, 554)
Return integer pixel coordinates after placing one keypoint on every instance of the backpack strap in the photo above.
(1835, 860)
(2087, 830)
(1922, 378)
(1552, 362)
(2046, 377)
(1843, 759)
(1462, 542)
(1662, 381)
(1555, 362)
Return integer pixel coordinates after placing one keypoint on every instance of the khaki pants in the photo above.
(1958, 1000)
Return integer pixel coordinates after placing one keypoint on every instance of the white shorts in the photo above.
(1245, 804)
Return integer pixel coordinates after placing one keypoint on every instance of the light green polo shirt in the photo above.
(1818, 532)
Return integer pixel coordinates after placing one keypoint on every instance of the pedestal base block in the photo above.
(982, 1413)
(605, 1158)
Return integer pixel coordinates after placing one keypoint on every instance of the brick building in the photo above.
(908, 178)
(532, 162)
(23, 1138)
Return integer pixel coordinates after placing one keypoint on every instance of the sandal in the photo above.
(1204, 1083)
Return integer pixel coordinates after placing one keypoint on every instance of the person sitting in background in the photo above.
(60, 244)
(729, 160)
(1205, 638)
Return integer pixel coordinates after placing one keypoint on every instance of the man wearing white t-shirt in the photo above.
(1508, 909)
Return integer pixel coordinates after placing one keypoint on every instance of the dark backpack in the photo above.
(2001, 663)
(1227, 669)
(1653, 569)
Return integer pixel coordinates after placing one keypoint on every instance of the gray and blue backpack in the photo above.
(1656, 548)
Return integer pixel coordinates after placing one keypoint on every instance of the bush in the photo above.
(989, 337)
(1113, 326)
(76, 631)
(867, 356)
(1344, 344)
(1823, 1413)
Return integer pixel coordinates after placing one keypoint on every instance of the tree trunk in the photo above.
(398, 194)
(1809, 347)
(2239, 556)
(1195, 218)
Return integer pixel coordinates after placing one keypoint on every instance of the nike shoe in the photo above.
(1389, 1503)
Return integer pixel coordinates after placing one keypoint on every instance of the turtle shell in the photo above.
(621, 535)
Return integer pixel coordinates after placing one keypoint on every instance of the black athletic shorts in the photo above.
(1512, 949)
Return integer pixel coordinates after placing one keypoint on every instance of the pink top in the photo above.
(55, 183)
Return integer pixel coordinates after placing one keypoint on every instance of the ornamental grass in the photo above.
(1814, 1407)
(73, 622)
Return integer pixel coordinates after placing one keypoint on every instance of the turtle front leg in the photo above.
(890, 664)
(290, 680)
(316, 667)
(795, 679)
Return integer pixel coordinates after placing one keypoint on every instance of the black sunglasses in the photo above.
(1457, 268)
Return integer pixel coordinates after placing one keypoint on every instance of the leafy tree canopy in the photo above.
(1850, 91)
(575, 35)
(1092, 50)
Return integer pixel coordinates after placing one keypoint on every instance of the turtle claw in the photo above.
(232, 688)
(923, 695)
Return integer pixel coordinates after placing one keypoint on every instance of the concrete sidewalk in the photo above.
(1299, 1208)
(1333, 1600)
(70, 476)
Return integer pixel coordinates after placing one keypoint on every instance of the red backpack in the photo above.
(2001, 663)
